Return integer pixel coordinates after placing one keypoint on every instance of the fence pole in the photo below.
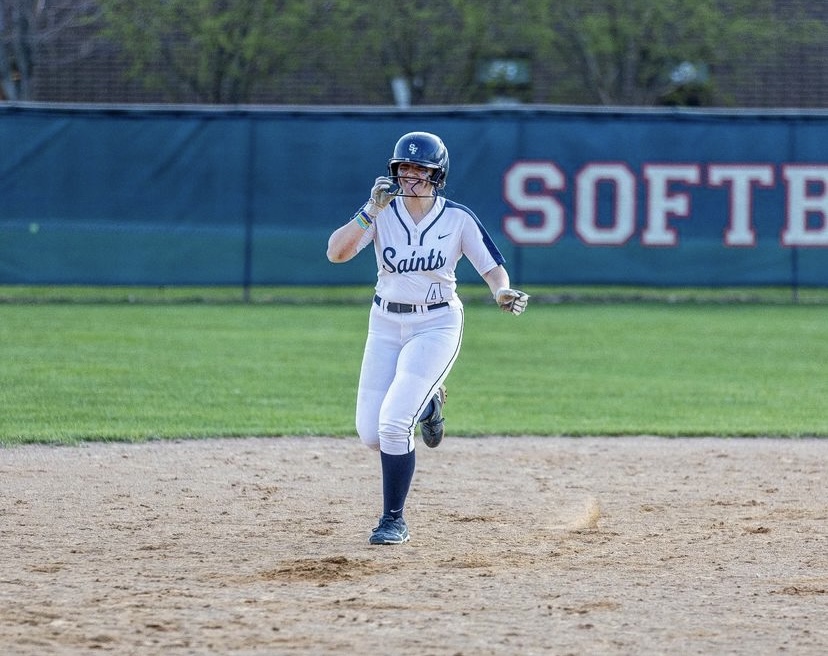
(795, 275)
(249, 191)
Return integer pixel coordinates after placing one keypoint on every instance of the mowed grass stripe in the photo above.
(130, 372)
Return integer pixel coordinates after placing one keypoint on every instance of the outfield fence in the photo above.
(175, 195)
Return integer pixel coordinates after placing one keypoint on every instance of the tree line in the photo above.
(595, 52)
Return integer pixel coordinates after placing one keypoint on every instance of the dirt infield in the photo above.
(519, 546)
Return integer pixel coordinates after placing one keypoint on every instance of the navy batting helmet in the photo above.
(425, 149)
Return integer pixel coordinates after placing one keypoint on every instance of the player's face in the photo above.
(414, 179)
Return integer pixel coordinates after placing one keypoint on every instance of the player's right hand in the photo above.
(379, 192)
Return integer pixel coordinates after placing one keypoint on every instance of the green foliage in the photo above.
(625, 50)
(215, 49)
(432, 45)
(619, 52)
(119, 371)
(27, 29)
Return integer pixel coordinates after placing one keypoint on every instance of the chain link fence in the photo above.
(72, 62)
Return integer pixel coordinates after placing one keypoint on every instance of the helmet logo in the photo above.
(412, 148)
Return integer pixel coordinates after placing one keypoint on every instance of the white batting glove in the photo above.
(511, 300)
(379, 195)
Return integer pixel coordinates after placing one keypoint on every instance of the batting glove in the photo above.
(380, 196)
(511, 300)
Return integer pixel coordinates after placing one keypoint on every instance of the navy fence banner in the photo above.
(248, 196)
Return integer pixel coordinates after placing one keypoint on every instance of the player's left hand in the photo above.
(511, 300)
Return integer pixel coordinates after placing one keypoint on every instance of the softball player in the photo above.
(416, 320)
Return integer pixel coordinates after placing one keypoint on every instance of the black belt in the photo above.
(407, 308)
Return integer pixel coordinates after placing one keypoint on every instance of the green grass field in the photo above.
(199, 364)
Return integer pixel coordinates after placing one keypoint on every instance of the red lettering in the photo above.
(740, 178)
(606, 196)
(803, 203)
(661, 204)
(622, 182)
(549, 212)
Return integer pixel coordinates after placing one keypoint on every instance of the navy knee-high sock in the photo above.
(397, 472)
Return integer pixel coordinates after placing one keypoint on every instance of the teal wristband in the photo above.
(363, 219)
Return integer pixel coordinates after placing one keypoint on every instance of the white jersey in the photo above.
(416, 262)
